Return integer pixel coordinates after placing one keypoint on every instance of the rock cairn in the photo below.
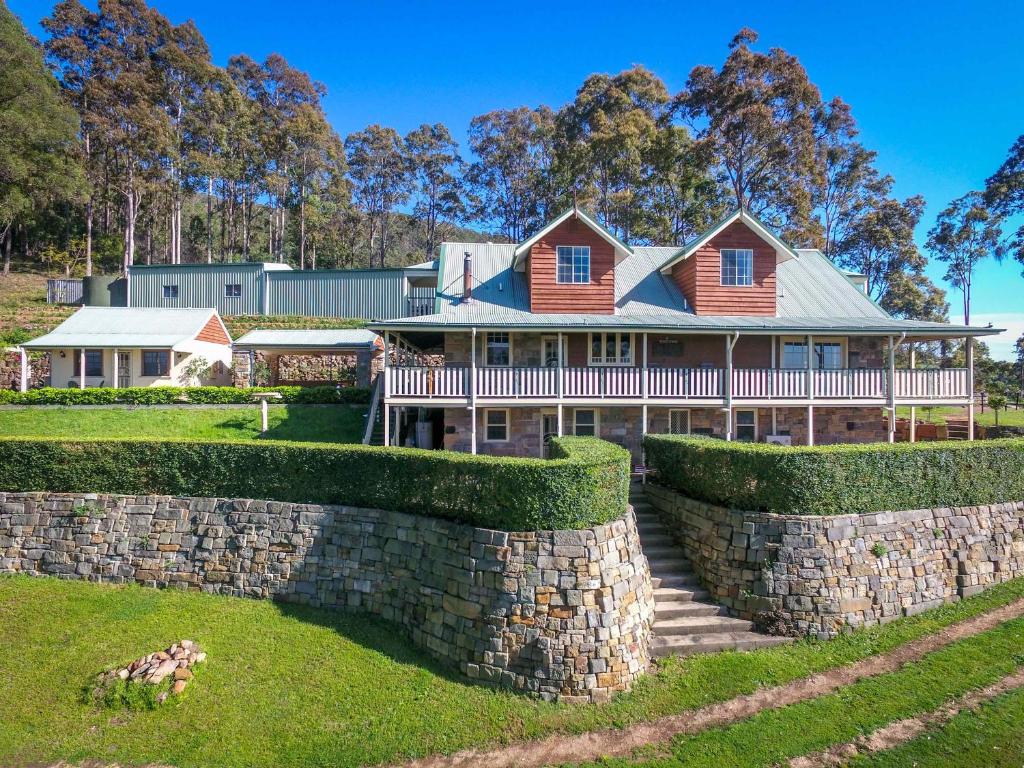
(175, 662)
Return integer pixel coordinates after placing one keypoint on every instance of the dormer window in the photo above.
(737, 266)
(573, 263)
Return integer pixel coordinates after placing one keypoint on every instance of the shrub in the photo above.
(170, 395)
(586, 484)
(839, 479)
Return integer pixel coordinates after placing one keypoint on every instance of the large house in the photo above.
(736, 335)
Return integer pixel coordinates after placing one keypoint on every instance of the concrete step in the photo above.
(679, 580)
(674, 609)
(710, 643)
(670, 564)
(683, 626)
(682, 594)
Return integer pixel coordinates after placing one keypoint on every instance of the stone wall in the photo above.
(814, 575)
(561, 614)
(10, 369)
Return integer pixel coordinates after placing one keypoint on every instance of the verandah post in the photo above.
(24, 370)
(913, 410)
(969, 342)
(472, 389)
(387, 408)
(81, 369)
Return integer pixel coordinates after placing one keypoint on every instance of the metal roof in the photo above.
(268, 266)
(128, 327)
(319, 339)
(813, 296)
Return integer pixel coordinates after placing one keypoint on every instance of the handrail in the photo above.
(371, 416)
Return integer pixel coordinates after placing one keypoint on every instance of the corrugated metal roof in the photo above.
(136, 327)
(814, 295)
(319, 338)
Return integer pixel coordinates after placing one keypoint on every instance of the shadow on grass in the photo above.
(303, 423)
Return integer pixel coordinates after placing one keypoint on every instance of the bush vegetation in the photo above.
(173, 395)
(587, 483)
(839, 479)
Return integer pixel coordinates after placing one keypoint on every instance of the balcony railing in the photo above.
(678, 383)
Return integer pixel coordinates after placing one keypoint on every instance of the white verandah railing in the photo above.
(678, 383)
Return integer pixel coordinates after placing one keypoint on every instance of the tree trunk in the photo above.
(302, 228)
(7, 238)
(88, 237)
(131, 214)
(149, 242)
(209, 220)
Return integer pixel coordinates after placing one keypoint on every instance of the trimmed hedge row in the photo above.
(839, 479)
(586, 484)
(171, 395)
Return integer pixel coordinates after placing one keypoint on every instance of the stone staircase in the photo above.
(686, 619)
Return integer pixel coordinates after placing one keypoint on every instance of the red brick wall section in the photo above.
(213, 332)
(547, 295)
(700, 276)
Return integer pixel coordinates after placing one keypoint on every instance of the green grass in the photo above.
(287, 686)
(311, 423)
(938, 415)
(775, 736)
(992, 737)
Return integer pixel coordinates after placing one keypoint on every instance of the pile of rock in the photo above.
(176, 663)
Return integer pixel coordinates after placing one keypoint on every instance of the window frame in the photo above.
(165, 355)
(841, 341)
(90, 356)
(228, 295)
(736, 424)
(596, 425)
(736, 270)
(572, 264)
(507, 425)
(603, 361)
(484, 358)
(170, 291)
(671, 412)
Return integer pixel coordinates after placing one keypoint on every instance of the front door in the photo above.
(548, 429)
(550, 351)
(124, 369)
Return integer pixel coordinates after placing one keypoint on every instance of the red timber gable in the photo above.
(213, 332)
(547, 295)
(700, 276)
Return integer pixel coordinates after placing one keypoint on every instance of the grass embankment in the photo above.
(1011, 417)
(309, 423)
(775, 736)
(992, 736)
(291, 686)
(24, 312)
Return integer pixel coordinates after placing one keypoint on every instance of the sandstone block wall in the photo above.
(816, 575)
(561, 614)
(10, 369)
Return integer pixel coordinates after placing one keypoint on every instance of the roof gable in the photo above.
(621, 249)
(782, 251)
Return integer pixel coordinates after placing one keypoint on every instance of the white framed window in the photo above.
(549, 351)
(829, 353)
(737, 266)
(679, 421)
(497, 349)
(170, 291)
(496, 425)
(745, 425)
(232, 290)
(573, 263)
(585, 422)
(611, 348)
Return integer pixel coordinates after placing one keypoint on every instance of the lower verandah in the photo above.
(520, 431)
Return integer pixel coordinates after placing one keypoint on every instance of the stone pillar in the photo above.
(241, 368)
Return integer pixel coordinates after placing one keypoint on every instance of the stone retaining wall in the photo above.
(562, 614)
(815, 575)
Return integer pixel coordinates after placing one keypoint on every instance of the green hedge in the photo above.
(839, 479)
(586, 484)
(170, 395)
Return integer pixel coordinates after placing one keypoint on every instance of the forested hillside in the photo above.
(121, 141)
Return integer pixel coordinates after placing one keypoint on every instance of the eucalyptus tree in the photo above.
(1004, 193)
(966, 233)
(381, 175)
(439, 197)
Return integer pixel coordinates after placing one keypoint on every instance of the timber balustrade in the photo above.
(627, 382)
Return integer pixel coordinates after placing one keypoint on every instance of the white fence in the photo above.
(677, 383)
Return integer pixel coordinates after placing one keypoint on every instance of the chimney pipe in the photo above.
(467, 277)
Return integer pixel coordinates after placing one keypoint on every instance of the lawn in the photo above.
(938, 415)
(314, 423)
(291, 686)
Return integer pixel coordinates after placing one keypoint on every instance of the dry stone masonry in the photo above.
(561, 614)
(814, 575)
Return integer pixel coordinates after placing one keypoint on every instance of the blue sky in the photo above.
(935, 87)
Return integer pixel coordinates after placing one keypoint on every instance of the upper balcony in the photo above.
(696, 386)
